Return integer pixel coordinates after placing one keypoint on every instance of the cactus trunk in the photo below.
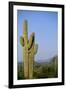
(25, 50)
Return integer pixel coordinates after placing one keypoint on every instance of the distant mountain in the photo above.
(54, 60)
(47, 60)
(43, 61)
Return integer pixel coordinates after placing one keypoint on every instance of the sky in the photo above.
(45, 26)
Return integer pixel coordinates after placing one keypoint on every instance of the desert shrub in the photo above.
(41, 70)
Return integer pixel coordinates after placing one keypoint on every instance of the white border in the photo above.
(34, 81)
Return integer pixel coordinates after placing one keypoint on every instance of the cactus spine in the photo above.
(29, 50)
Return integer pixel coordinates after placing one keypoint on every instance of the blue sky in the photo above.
(45, 26)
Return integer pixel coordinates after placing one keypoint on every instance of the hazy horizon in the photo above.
(40, 61)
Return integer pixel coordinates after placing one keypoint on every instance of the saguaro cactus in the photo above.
(29, 50)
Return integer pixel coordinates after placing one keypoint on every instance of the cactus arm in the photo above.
(31, 40)
(22, 41)
(35, 48)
